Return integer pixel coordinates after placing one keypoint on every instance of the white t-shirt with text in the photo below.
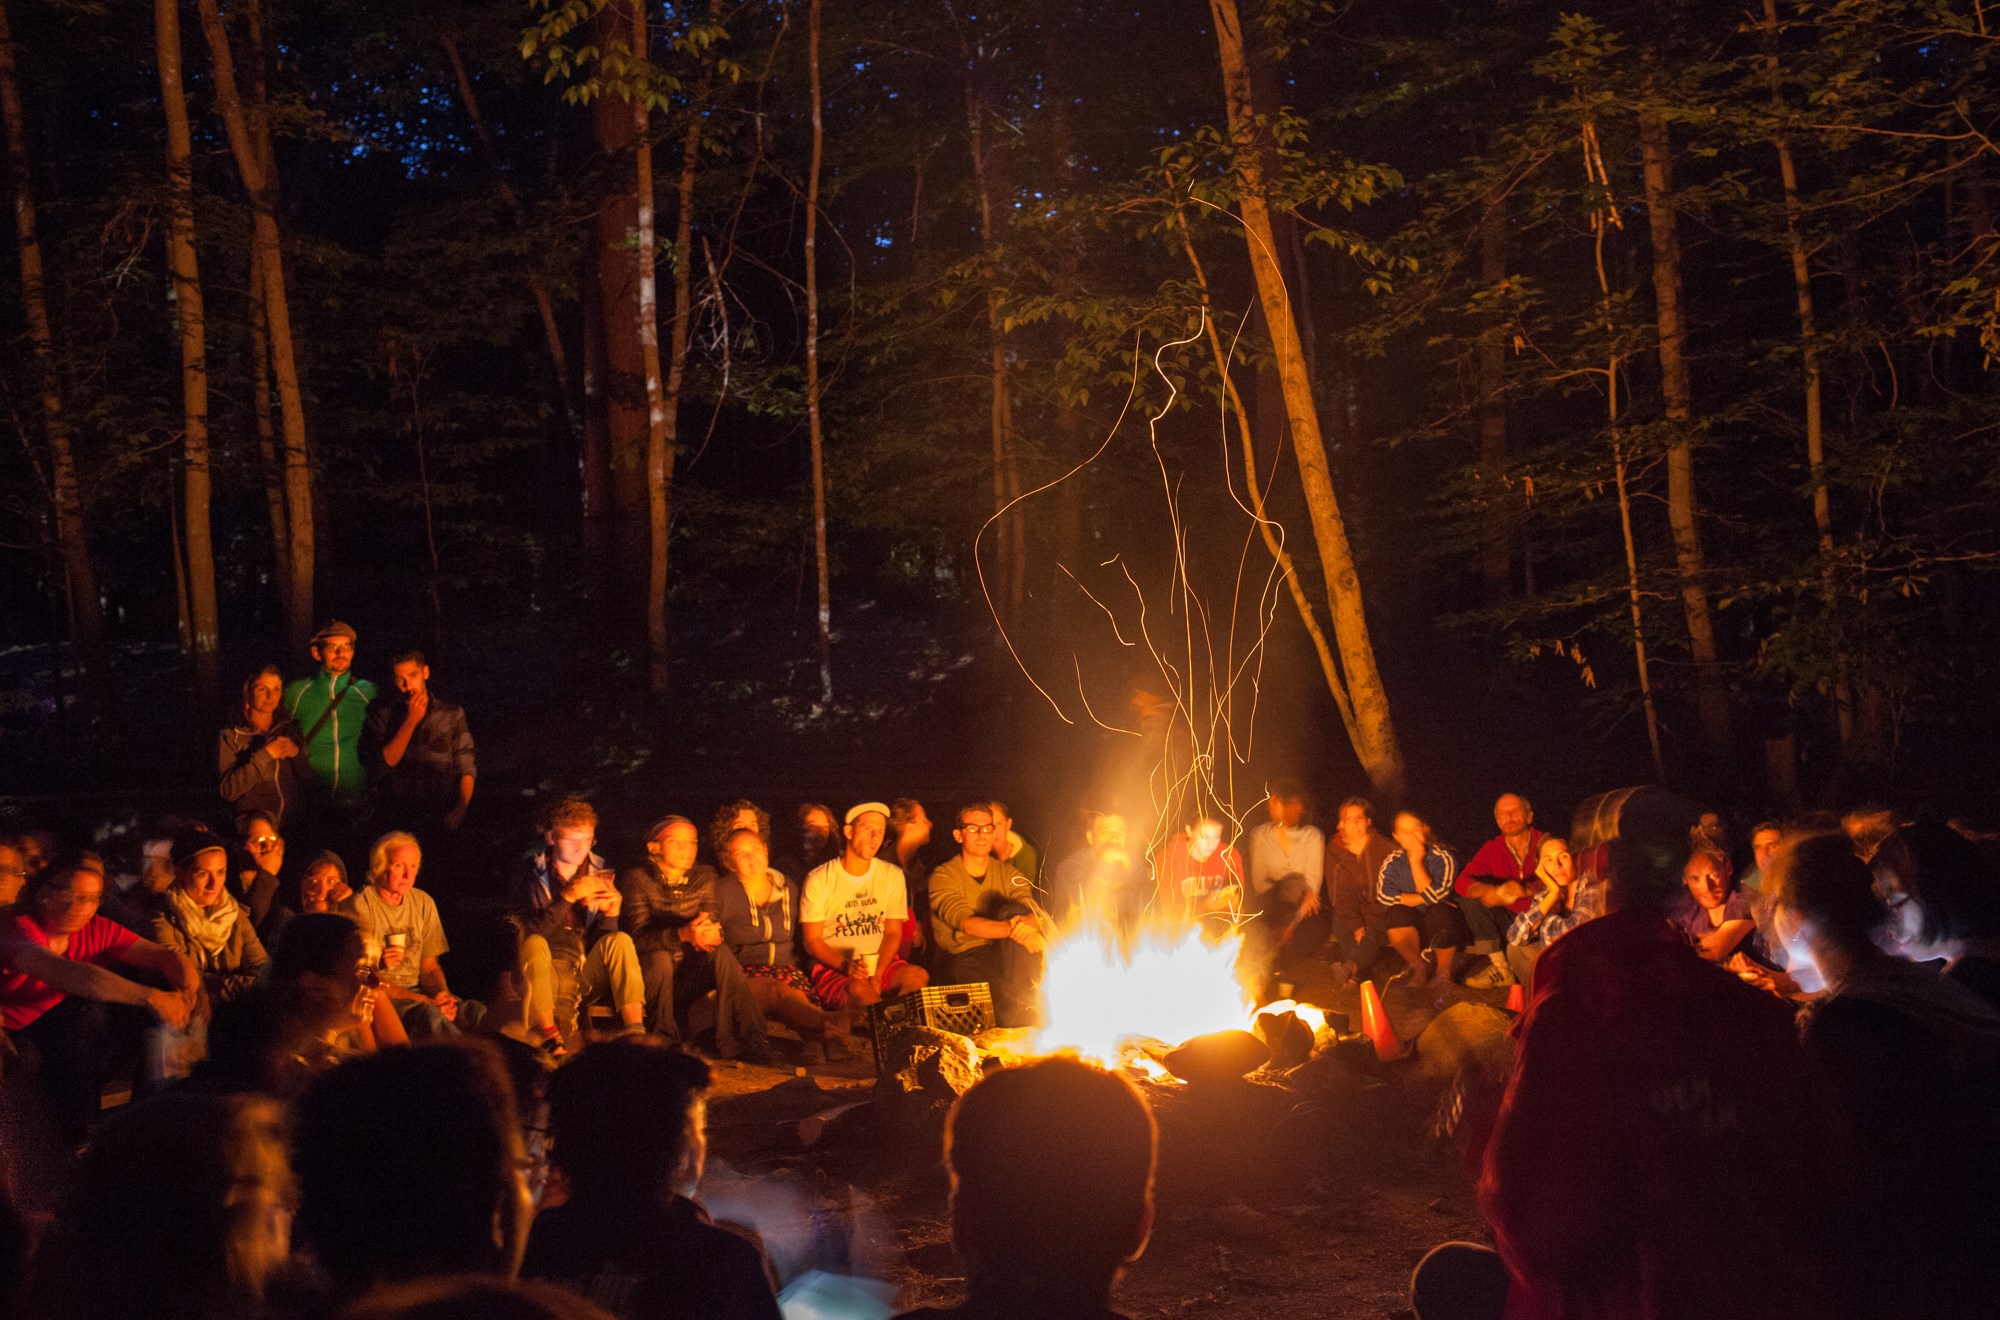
(853, 908)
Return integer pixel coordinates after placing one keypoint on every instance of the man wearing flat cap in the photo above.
(331, 707)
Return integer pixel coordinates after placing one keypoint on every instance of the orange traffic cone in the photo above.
(1517, 999)
(1375, 1024)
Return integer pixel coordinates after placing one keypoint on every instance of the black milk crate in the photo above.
(964, 1010)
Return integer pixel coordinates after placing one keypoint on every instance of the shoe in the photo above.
(1492, 976)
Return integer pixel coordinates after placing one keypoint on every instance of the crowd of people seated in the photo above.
(1804, 1055)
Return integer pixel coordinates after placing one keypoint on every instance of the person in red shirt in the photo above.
(1497, 885)
(58, 989)
(1659, 1106)
(1197, 876)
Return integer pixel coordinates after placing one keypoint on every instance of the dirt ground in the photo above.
(1353, 1187)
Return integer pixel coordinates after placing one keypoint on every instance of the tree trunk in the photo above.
(1496, 566)
(267, 436)
(615, 235)
(257, 169)
(1012, 547)
(79, 575)
(813, 425)
(188, 313)
(648, 327)
(1374, 731)
(1809, 361)
(531, 274)
(1683, 509)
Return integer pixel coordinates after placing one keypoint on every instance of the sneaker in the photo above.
(1493, 976)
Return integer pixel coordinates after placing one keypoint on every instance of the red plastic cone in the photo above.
(1375, 1023)
(1517, 999)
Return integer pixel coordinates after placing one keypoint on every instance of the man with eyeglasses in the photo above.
(984, 919)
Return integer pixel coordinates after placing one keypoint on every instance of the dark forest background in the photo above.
(1666, 323)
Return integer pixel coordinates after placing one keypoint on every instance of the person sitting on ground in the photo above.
(181, 1212)
(13, 876)
(421, 751)
(1656, 1106)
(669, 908)
(629, 1123)
(1010, 846)
(1096, 883)
(1198, 877)
(905, 845)
(315, 1009)
(742, 814)
(58, 989)
(1497, 886)
(1915, 1058)
(257, 874)
(851, 920)
(1712, 912)
(257, 761)
(818, 841)
(984, 919)
(1555, 874)
(758, 910)
(1048, 1238)
(572, 953)
(319, 886)
(1944, 900)
(1354, 857)
(1414, 889)
(1765, 838)
(401, 927)
(472, 1297)
(133, 896)
(199, 920)
(331, 707)
(1287, 860)
(409, 1164)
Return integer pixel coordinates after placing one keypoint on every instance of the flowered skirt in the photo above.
(785, 974)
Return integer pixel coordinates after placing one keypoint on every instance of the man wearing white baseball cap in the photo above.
(851, 919)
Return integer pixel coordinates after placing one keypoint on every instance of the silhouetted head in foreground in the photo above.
(473, 1297)
(628, 1121)
(410, 1164)
(179, 1211)
(1051, 1184)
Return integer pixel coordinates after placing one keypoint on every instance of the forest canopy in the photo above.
(1643, 358)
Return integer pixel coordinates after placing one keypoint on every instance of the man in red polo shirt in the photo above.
(1498, 882)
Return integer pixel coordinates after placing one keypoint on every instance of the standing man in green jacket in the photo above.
(331, 707)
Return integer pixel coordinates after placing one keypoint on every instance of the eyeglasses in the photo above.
(266, 841)
(981, 829)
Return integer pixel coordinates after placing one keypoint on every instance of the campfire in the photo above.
(1127, 1003)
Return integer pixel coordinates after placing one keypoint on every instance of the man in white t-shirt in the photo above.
(851, 919)
(400, 928)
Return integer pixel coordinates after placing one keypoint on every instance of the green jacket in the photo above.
(334, 753)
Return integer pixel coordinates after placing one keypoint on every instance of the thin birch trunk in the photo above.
(1683, 507)
(1254, 481)
(1000, 415)
(1602, 220)
(813, 421)
(272, 466)
(1374, 739)
(256, 168)
(1809, 361)
(1496, 565)
(185, 274)
(72, 540)
(649, 366)
(531, 275)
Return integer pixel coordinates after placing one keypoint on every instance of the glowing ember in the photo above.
(1103, 998)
